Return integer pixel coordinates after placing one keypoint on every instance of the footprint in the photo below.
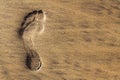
(32, 25)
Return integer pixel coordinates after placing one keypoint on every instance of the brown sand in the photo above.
(81, 40)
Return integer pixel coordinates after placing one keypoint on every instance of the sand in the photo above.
(81, 40)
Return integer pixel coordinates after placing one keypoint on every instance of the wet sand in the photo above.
(81, 40)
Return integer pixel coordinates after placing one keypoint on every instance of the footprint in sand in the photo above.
(32, 25)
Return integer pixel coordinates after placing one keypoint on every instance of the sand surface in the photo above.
(81, 40)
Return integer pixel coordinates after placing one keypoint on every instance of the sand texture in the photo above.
(81, 40)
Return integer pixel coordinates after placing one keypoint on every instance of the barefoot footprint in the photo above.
(33, 24)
